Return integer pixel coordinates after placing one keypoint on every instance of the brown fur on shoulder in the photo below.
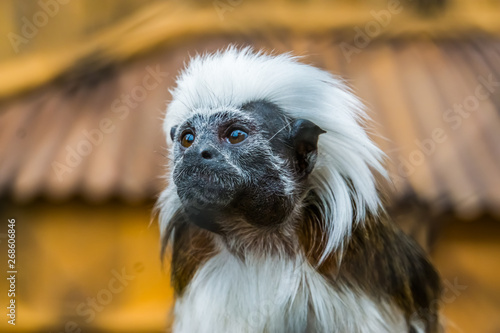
(191, 247)
(381, 260)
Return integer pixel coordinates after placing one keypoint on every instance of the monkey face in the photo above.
(249, 162)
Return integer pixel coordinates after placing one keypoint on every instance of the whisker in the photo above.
(157, 152)
(278, 132)
(180, 173)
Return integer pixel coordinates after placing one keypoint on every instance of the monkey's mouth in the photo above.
(204, 187)
(203, 178)
(208, 178)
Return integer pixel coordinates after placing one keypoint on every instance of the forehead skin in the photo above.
(271, 119)
(275, 126)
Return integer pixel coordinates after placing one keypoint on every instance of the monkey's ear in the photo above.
(305, 136)
(172, 132)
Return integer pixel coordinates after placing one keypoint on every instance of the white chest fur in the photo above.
(271, 295)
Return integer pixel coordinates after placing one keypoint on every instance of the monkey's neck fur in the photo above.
(275, 281)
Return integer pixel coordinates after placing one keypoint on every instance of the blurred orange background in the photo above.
(84, 85)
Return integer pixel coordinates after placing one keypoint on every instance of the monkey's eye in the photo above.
(187, 139)
(236, 136)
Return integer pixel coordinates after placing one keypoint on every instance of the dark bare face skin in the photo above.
(246, 164)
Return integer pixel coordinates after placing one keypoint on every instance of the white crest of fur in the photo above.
(342, 175)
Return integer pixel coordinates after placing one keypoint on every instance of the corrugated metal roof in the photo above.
(444, 154)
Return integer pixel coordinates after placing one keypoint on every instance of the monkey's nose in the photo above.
(206, 154)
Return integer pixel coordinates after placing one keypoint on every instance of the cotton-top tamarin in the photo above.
(272, 209)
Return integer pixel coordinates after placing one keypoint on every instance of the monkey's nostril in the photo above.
(206, 155)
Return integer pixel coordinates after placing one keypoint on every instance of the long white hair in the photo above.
(342, 178)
